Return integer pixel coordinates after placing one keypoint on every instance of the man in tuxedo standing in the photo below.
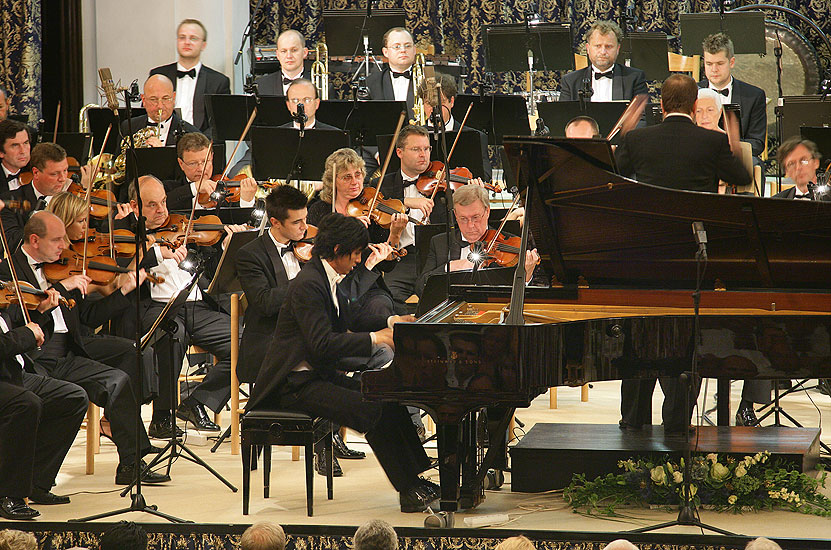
(699, 159)
(291, 53)
(604, 79)
(15, 150)
(719, 60)
(395, 80)
(191, 79)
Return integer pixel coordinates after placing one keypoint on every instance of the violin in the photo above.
(98, 244)
(32, 296)
(500, 250)
(228, 190)
(303, 248)
(99, 206)
(101, 269)
(432, 177)
(205, 231)
(383, 211)
(17, 205)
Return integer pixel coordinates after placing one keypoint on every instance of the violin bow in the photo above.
(450, 154)
(13, 272)
(335, 184)
(202, 178)
(57, 118)
(88, 197)
(387, 161)
(236, 147)
(502, 224)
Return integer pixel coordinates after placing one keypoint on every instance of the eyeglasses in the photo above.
(348, 178)
(793, 163)
(306, 100)
(156, 100)
(399, 47)
(195, 163)
(471, 220)
(417, 150)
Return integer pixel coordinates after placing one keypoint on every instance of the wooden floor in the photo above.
(364, 493)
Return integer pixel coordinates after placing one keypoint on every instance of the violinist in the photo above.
(159, 98)
(201, 321)
(191, 150)
(64, 354)
(15, 150)
(471, 208)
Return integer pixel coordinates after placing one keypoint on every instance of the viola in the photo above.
(500, 250)
(205, 231)
(99, 205)
(432, 177)
(228, 190)
(383, 211)
(32, 296)
(98, 244)
(303, 248)
(101, 269)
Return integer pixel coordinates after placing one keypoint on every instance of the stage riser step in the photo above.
(550, 454)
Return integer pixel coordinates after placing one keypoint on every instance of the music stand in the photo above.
(746, 29)
(799, 111)
(649, 53)
(345, 29)
(558, 113)
(77, 144)
(468, 153)
(229, 113)
(162, 162)
(311, 155)
(435, 289)
(497, 115)
(821, 135)
(364, 120)
(100, 118)
(508, 46)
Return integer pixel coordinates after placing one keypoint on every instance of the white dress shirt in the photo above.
(724, 98)
(401, 85)
(334, 278)
(602, 86)
(185, 87)
(13, 183)
(290, 261)
(175, 279)
(292, 78)
(164, 128)
(5, 328)
(410, 192)
(57, 314)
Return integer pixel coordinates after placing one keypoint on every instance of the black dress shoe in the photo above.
(746, 417)
(196, 415)
(125, 474)
(342, 451)
(433, 490)
(321, 466)
(39, 496)
(164, 429)
(415, 499)
(627, 427)
(14, 508)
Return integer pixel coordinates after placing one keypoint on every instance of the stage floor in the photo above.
(363, 493)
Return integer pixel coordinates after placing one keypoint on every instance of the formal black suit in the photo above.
(318, 126)
(311, 331)
(208, 81)
(680, 155)
(41, 416)
(379, 84)
(106, 387)
(178, 127)
(790, 193)
(14, 220)
(627, 82)
(754, 120)
(4, 180)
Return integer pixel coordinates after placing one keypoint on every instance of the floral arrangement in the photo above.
(720, 483)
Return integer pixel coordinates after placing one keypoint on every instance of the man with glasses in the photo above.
(191, 79)
(159, 98)
(304, 91)
(800, 161)
(395, 80)
(472, 210)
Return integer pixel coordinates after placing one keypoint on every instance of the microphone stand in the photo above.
(248, 35)
(439, 130)
(294, 170)
(777, 51)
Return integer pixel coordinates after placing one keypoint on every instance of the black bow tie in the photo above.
(409, 182)
(13, 176)
(38, 265)
(287, 81)
(406, 74)
(287, 249)
(40, 204)
(725, 92)
(607, 74)
(182, 74)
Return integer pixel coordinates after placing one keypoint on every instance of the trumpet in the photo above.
(320, 70)
(83, 121)
(419, 116)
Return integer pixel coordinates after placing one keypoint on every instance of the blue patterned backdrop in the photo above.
(20, 55)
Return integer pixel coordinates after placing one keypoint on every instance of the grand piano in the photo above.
(622, 264)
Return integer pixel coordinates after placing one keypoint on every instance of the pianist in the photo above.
(472, 209)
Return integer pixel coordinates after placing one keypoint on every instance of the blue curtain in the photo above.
(20, 56)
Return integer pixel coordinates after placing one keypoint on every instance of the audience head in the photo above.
(375, 534)
(349, 169)
(679, 94)
(125, 535)
(399, 48)
(11, 539)
(719, 59)
(620, 544)
(291, 51)
(799, 159)
(263, 535)
(341, 240)
(15, 148)
(603, 44)
(191, 39)
(708, 109)
(762, 543)
(582, 126)
(158, 95)
(515, 543)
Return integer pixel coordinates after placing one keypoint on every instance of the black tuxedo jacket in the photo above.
(392, 187)
(680, 155)
(627, 82)
(177, 127)
(309, 329)
(179, 194)
(379, 84)
(209, 81)
(790, 193)
(4, 182)
(15, 342)
(92, 313)
(13, 221)
(754, 120)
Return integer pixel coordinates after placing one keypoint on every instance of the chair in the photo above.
(186, 378)
(580, 61)
(93, 435)
(552, 395)
(685, 64)
(286, 428)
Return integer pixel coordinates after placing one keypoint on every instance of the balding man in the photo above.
(302, 91)
(291, 53)
(620, 544)
(582, 127)
(159, 98)
(190, 78)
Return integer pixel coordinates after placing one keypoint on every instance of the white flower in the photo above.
(732, 499)
(740, 470)
(677, 476)
(720, 472)
(658, 475)
(712, 457)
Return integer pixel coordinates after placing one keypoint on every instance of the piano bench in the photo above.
(269, 427)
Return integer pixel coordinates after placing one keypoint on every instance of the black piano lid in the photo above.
(589, 222)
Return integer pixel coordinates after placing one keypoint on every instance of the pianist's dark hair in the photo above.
(282, 199)
(339, 235)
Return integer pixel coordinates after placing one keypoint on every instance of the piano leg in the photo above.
(723, 411)
(448, 439)
(471, 492)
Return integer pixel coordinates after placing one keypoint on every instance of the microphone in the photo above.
(542, 129)
(300, 116)
(530, 60)
(108, 87)
(700, 235)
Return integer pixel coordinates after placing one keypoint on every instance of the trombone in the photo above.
(320, 70)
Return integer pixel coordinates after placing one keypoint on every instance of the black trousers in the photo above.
(120, 353)
(108, 388)
(636, 402)
(200, 324)
(387, 426)
(39, 423)
(402, 278)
